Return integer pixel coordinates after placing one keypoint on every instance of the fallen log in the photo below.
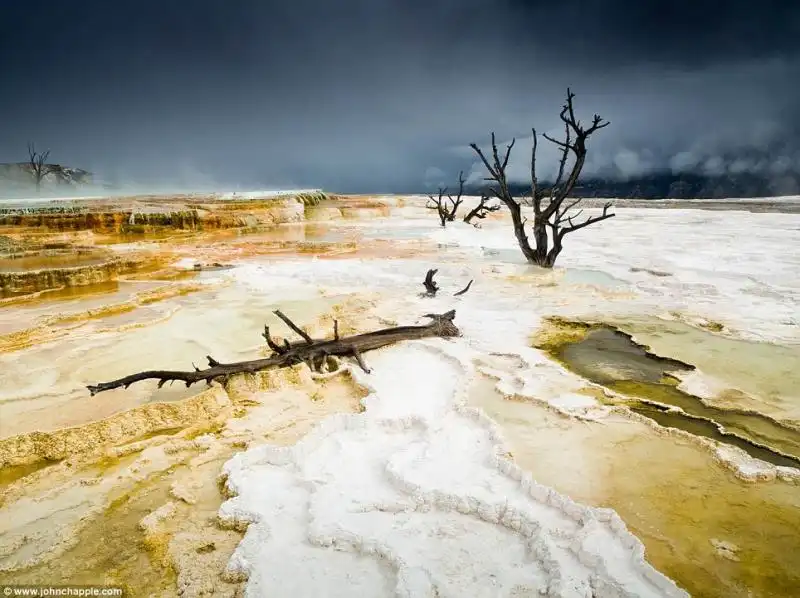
(315, 353)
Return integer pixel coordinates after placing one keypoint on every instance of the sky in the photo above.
(386, 95)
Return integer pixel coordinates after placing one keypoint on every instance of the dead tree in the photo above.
(317, 354)
(38, 165)
(447, 211)
(432, 287)
(550, 208)
(481, 210)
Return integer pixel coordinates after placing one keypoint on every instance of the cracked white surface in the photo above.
(414, 497)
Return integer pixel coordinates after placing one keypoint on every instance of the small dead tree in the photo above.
(550, 206)
(481, 210)
(447, 212)
(38, 165)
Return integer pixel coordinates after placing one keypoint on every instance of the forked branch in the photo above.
(315, 354)
(482, 210)
(572, 226)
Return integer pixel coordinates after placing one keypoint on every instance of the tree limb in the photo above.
(311, 354)
(464, 290)
(294, 326)
(481, 210)
(573, 227)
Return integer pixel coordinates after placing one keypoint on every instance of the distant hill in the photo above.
(681, 186)
(19, 176)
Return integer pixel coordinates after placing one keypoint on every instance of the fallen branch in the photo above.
(431, 286)
(464, 290)
(314, 353)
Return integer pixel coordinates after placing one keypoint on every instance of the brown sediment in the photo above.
(168, 292)
(142, 215)
(158, 534)
(12, 473)
(52, 327)
(667, 491)
(59, 293)
(49, 259)
(163, 221)
(609, 357)
(558, 332)
(122, 427)
(101, 221)
(100, 267)
(32, 281)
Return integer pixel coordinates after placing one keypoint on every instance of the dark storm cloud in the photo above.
(386, 94)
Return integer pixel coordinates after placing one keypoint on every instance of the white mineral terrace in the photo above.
(415, 497)
(419, 495)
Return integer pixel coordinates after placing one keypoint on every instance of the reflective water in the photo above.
(669, 492)
(611, 358)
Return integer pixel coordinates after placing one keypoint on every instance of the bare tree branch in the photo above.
(294, 326)
(455, 203)
(573, 227)
(534, 179)
(481, 210)
(271, 343)
(464, 290)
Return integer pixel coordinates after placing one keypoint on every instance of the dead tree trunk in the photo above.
(481, 210)
(315, 353)
(553, 215)
(38, 165)
(445, 211)
(431, 286)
